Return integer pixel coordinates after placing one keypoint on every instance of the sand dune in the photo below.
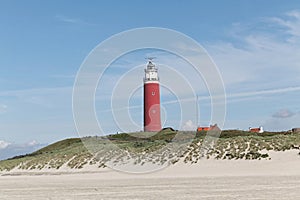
(278, 178)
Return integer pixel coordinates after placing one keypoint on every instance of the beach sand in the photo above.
(278, 178)
(91, 186)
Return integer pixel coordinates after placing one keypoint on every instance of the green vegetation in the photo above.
(165, 146)
(52, 156)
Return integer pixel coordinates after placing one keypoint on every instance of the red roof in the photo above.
(207, 128)
(254, 130)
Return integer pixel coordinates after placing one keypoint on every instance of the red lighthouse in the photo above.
(152, 121)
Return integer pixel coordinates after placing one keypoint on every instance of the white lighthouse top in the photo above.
(151, 74)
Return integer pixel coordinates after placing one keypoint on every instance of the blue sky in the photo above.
(255, 45)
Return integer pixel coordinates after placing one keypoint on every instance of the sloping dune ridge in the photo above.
(237, 167)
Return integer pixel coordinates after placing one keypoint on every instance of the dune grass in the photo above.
(232, 144)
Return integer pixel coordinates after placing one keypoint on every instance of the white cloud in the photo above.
(291, 22)
(282, 124)
(283, 113)
(262, 60)
(8, 150)
(32, 143)
(4, 144)
(261, 54)
(71, 20)
(189, 126)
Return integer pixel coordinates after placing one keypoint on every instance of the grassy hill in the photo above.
(165, 146)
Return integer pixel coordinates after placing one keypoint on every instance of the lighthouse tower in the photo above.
(152, 121)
